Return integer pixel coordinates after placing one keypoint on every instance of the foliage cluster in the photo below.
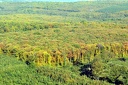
(22, 22)
(56, 39)
(85, 53)
(98, 10)
(16, 72)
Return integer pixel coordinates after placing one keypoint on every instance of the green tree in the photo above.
(97, 68)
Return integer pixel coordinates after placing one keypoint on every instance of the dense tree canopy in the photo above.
(83, 43)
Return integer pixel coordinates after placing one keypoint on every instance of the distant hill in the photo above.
(98, 10)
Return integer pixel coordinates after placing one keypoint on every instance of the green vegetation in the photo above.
(59, 43)
(16, 72)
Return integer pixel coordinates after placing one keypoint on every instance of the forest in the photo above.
(64, 43)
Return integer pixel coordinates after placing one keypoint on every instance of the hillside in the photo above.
(16, 72)
(64, 43)
(83, 10)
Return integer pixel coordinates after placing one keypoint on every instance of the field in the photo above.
(64, 43)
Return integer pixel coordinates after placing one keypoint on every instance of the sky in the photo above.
(48, 0)
(62, 0)
(66, 0)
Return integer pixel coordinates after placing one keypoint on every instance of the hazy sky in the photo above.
(49, 0)
(66, 0)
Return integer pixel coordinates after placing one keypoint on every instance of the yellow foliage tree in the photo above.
(43, 58)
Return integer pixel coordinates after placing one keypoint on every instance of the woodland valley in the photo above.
(64, 43)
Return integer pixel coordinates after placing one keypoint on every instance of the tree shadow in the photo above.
(87, 70)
